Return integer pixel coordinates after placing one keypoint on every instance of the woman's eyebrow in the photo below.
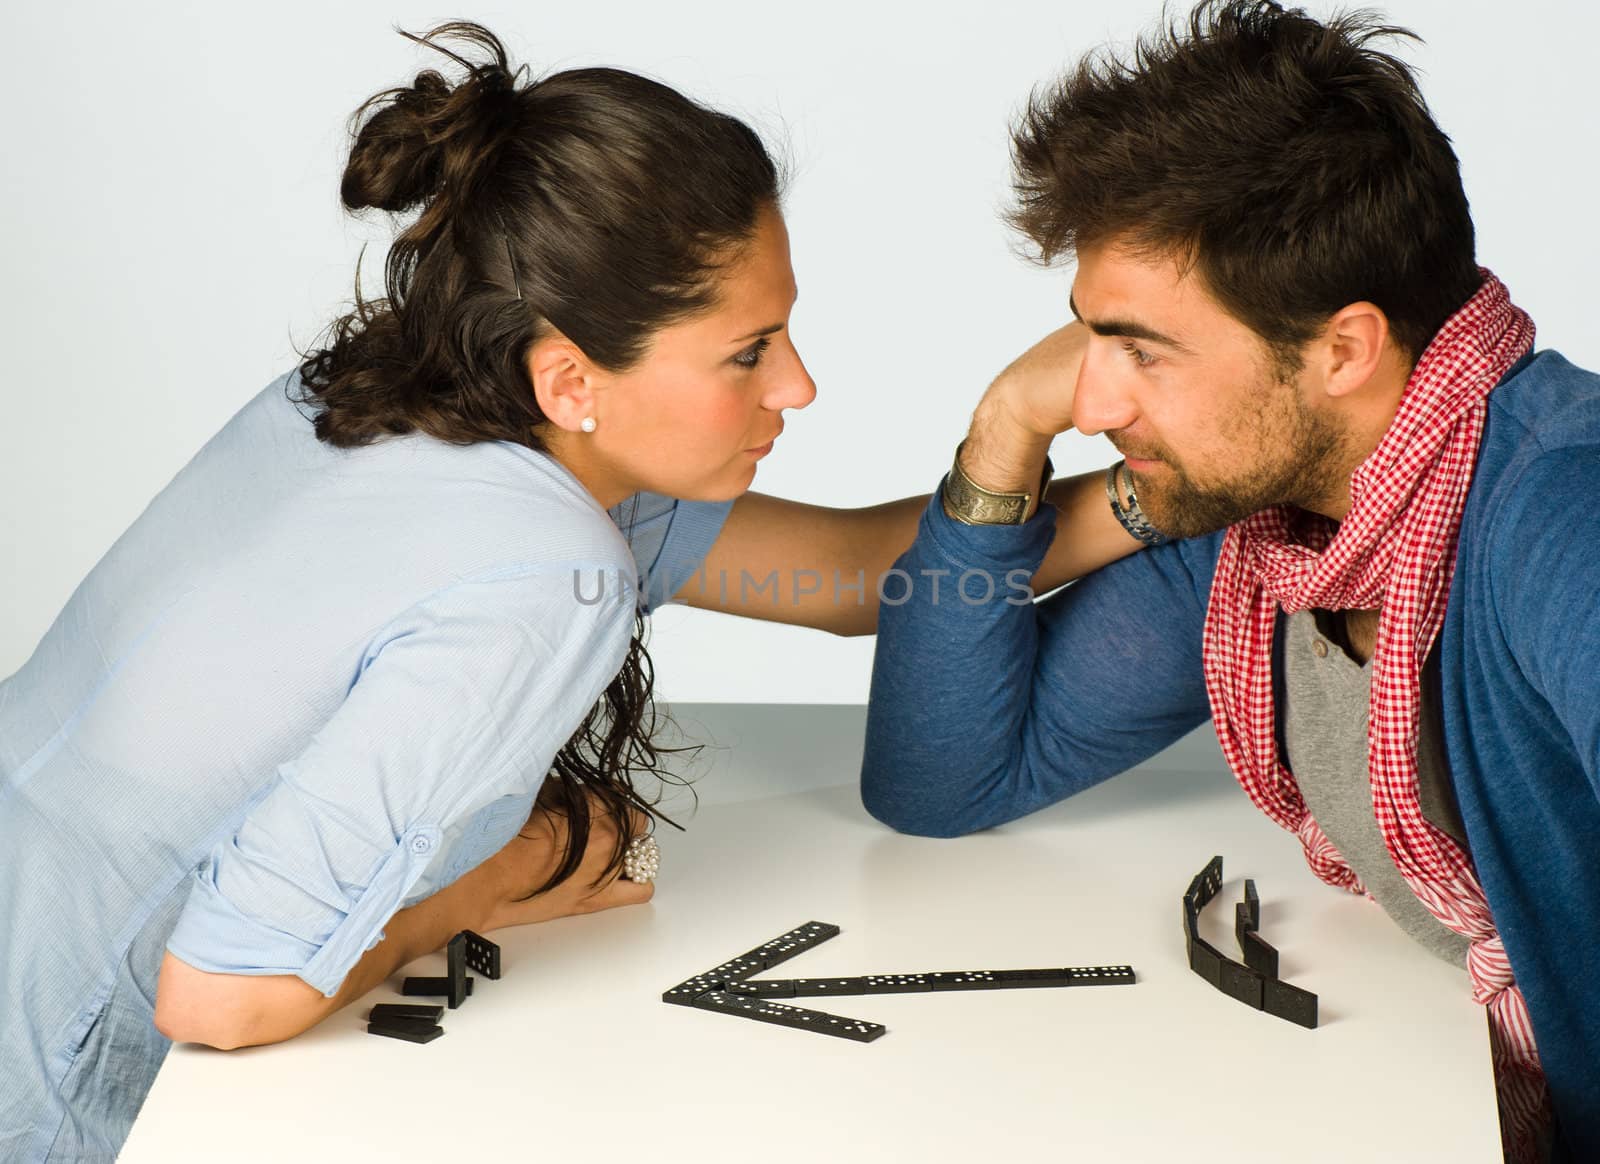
(768, 330)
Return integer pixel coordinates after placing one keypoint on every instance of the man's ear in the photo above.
(564, 381)
(1352, 347)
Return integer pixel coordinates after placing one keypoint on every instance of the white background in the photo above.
(170, 231)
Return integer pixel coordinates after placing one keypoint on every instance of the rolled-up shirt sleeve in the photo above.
(464, 698)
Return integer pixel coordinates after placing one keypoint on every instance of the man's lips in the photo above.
(1135, 460)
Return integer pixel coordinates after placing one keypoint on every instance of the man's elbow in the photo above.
(905, 815)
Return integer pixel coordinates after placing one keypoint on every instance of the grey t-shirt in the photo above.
(1325, 731)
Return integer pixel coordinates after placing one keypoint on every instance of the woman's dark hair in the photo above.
(594, 202)
(1294, 166)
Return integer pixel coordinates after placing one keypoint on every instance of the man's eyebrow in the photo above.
(1126, 327)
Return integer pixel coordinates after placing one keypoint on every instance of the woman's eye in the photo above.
(751, 356)
(1141, 357)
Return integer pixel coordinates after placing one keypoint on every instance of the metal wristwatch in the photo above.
(1119, 485)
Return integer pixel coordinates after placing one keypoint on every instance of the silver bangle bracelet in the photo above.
(1129, 513)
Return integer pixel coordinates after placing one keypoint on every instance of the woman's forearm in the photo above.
(819, 567)
(235, 1010)
(1087, 538)
(231, 1011)
(417, 930)
(1088, 535)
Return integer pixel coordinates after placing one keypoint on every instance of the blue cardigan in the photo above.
(982, 712)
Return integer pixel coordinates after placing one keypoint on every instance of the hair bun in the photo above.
(408, 139)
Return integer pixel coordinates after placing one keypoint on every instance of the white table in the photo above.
(572, 1056)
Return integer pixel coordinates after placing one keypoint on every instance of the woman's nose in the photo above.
(795, 388)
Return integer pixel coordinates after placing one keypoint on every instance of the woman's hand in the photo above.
(532, 855)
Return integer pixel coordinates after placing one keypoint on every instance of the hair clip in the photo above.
(516, 283)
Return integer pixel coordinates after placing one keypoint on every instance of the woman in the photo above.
(294, 729)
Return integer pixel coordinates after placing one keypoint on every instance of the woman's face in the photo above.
(692, 418)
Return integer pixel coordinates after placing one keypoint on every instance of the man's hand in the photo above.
(810, 565)
(528, 859)
(1038, 387)
(1024, 409)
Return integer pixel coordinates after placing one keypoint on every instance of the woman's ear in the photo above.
(563, 381)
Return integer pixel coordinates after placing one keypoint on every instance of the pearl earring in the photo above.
(588, 424)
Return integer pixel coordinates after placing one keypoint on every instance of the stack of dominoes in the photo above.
(417, 1023)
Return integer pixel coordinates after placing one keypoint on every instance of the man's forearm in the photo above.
(1003, 454)
(952, 680)
(1000, 453)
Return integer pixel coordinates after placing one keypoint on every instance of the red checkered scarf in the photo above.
(1395, 549)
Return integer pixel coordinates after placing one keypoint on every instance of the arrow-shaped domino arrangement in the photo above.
(731, 988)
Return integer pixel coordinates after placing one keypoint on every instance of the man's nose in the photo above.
(1101, 403)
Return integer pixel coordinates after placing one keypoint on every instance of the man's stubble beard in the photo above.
(1294, 457)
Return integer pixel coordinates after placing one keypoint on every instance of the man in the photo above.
(1373, 512)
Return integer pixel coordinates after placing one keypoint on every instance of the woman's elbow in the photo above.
(215, 1039)
(216, 1010)
(181, 1024)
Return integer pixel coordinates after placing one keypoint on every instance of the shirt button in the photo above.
(421, 845)
(1321, 648)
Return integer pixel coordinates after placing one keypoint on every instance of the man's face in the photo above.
(1212, 429)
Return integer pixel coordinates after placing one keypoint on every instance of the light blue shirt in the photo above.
(307, 688)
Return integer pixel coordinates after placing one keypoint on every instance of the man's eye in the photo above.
(1141, 357)
(751, 356)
